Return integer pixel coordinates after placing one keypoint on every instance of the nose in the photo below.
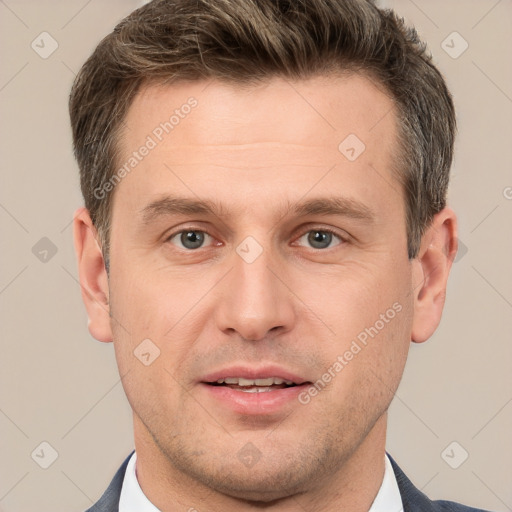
(255, 299)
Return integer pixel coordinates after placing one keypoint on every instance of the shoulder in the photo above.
(109, 501)
(450, 506)
(414, 500)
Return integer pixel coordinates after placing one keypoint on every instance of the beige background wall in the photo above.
(59, 386)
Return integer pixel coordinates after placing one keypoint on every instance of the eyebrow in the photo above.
(338, 206)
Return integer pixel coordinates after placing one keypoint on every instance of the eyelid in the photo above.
(313, 227)
(324, 229)
(169, 237)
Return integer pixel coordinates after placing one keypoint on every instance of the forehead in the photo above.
(318, 110)
(219, 135)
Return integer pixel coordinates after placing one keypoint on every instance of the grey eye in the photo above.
(189, 239)
(319, 239)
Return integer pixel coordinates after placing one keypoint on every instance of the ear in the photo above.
(93, 276)
(430, 273)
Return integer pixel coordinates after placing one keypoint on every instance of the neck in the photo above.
(352, 487)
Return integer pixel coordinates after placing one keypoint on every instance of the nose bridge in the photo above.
(254, 300)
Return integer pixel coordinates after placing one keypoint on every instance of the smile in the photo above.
(254, 385)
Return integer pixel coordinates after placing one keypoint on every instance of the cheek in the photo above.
(372, 320)
(376, 355)
(154, 302)
(356, 297)
(156, 322)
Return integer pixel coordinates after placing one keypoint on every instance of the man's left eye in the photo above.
(320, 238)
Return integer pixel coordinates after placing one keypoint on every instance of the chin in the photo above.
(278, 475)
(262, 486)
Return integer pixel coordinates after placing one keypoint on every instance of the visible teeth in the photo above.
(240, 381)
(266, 382)
(256, 390)
(247, 382)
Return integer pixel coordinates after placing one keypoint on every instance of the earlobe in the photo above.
(430, 273)
(93, 276)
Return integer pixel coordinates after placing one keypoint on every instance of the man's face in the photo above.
(275, 282)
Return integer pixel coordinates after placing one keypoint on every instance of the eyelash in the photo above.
(342, 239)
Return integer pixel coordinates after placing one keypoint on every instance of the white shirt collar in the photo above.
(134, 500)
(388, 498)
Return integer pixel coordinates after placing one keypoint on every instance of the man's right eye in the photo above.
(189, 239)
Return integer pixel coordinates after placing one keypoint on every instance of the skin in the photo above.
(258, 151)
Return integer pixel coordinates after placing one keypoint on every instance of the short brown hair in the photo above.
(246, 41)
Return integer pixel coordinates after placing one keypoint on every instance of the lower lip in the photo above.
(264, 402)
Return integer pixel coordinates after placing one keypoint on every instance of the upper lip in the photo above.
(247, 372)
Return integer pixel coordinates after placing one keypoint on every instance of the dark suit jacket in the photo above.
(413, 499)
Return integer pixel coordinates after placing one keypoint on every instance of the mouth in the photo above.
(254, 385)
(265, 391)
